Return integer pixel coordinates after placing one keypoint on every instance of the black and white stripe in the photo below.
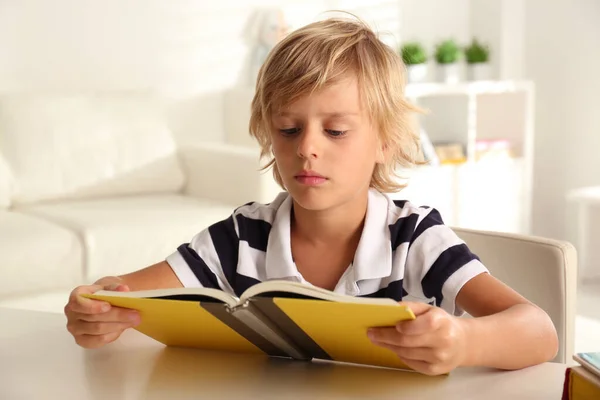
(423, 260)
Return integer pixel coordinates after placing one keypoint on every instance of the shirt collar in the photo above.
(278, 260)
(373, 258)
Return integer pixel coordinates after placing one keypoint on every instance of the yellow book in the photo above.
(583, 382)
(279, 318)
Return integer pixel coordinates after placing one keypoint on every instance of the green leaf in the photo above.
(413, 53)
(477, 52)
(447, 52)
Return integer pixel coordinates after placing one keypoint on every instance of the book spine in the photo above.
(287, 325)
(566, 394)
(223, 313)
(252, 317)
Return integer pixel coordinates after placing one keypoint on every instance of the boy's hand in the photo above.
(95, 323)
(434, 343)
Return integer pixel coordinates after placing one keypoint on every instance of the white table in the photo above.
(40, 360)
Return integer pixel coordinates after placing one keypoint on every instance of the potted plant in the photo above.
(415, 59)
(447, 54)
(477, 55)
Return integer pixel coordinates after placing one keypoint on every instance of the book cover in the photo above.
(580, 384)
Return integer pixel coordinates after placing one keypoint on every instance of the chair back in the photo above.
(542, 270)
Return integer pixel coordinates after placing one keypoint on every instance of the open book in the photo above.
(279, 318)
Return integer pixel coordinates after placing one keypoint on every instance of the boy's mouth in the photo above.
(310, 178)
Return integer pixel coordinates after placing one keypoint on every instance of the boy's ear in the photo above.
(382, 153)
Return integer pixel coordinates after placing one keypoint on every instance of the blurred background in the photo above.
(123, 124)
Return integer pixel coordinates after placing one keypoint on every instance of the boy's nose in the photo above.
(309, 143)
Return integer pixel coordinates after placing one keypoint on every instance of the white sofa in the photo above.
(95, 184)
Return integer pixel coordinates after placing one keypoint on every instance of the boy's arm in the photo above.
(508, 331)
(157, 276)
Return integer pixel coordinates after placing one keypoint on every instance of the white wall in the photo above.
(190, 50)
(500, 23)
(431, 21)
(562, 48)
(170, 47)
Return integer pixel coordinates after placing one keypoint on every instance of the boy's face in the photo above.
(326, 147)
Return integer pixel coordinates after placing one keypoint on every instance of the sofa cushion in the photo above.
(6, 183)
(37, 255)
(83, 146)
(126, 234)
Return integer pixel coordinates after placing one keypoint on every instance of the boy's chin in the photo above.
(316, 199)
(313, 199)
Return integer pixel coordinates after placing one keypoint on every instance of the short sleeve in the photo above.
(439, 263)
(209, 258)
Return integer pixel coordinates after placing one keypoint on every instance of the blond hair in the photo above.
(317, 55)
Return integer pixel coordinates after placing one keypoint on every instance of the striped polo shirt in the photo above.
(405, 253)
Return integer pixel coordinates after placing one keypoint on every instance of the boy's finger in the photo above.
(415, 364)
(117, 287)
(80, 304)
(422, 367)
(95, 341)
(416, 307)
(416, 354)
(393, 337)
(100, 328)
(391, 347)
(410, 353)
(384, 335)
(89, 306)
(425, 323)
(116, 314)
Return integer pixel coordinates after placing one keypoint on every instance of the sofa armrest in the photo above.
(227, 174)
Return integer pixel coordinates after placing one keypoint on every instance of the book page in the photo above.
(184, 294)
(286, 289)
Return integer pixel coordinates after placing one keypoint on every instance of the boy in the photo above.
(329, 108)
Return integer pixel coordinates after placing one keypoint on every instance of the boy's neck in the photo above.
(336, 226)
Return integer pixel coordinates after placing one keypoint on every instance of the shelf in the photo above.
(416, 90)
(488, 194)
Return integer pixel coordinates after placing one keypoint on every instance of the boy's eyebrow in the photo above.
(334, 114)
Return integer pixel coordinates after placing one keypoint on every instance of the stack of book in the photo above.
(582, 382)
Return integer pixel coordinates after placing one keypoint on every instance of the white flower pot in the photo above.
(479, 72)
(416, 73)
(448, 73)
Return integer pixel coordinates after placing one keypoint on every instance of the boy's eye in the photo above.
(335, 133)
(289, 131)
(330, 132)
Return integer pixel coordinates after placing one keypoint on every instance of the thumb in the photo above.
(117, 287)
(113, 283)
(416, 307)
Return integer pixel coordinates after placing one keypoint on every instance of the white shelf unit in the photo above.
(490, 194)
(483, 195)
(472, 93)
